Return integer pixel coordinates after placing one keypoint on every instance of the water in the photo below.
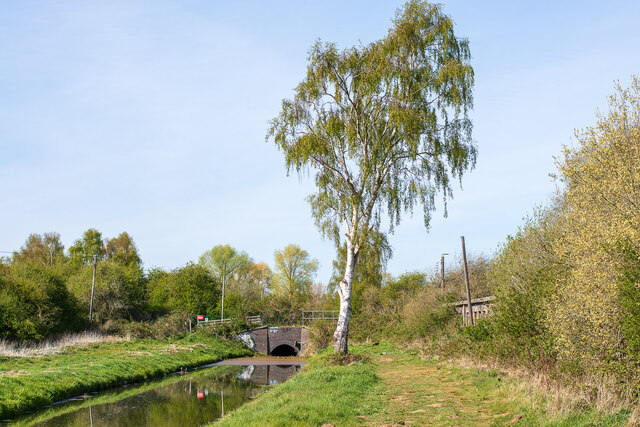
(193, 399)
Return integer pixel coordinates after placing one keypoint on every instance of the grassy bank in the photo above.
(395, 387)
(321, 393)
(30, 382)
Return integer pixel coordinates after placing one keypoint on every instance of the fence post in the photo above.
(466, 280)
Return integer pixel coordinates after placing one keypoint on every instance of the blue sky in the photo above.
(150, 116)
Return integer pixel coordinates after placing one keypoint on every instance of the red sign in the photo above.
(200, 395)
(200, 317)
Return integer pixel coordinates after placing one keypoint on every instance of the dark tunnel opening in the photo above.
(284, 350)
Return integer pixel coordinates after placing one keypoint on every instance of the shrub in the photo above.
(320, 335)
(34, 302)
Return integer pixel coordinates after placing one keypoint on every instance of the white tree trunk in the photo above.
(344, 291)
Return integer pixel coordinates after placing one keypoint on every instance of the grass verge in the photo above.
(321, 393)
(27, 383)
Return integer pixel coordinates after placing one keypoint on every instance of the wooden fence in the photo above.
(480, 306)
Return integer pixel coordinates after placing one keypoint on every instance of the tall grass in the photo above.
(52, 346)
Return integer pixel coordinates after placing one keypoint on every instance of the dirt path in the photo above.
(426, 393)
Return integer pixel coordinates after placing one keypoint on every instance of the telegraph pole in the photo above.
(442, 270)
(224, 279)
(466, 280)
(93, 286)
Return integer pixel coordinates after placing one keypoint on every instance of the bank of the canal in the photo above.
(395, 387)
(27, 383)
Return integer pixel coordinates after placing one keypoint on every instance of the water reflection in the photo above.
(191, 400)
(268, 374)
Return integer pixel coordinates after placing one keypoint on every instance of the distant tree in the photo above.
(319, 299)
(251, 281)
(122, 250)
(84, 249)
(382, 126)
(223, 262)
(190, 289)
(44, 249)
(263, 276)
(295, 271)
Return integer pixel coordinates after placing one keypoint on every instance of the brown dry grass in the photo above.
(562, 395)
(53, 346)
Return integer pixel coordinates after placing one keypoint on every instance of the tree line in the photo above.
(45, 289)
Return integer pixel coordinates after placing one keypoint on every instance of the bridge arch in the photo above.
(284, 350)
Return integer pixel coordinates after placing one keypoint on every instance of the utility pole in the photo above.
(466, 280)
(224, 279)
(93, 286)
(442, 270)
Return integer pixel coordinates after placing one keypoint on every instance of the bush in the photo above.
(426, 314)
(34, 302)
(227, 330)
(480, 332)
(320, 335)
(173, 325)
(523, 275)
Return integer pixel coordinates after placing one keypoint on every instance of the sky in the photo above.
(150, 117)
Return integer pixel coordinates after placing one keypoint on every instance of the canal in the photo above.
(191, 398)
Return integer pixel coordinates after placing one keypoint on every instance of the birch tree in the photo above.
(383, 128)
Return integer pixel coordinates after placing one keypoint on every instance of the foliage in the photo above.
(173, 325)
(120, 291)
(91, 245)
(601, 175)
(45, 249)
(226, 330)
(295, 270)
(190, 289)
(407, 307)
(383, 127)
(523, 274)
(320, 335)
(223, 262)
(34, 302)
(122, 250)
(253, 281)
(478, 268)
(628, 356)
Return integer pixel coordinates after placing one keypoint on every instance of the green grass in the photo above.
(319, 394)
(27, 383)
(395, 387)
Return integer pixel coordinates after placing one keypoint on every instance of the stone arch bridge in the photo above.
(276, 341)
